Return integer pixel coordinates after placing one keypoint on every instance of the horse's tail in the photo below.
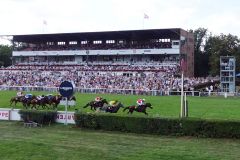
(86, 105)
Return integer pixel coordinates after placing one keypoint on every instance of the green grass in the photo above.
(60, 142)
(163, 106)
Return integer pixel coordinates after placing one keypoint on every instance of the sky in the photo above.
(64, 16)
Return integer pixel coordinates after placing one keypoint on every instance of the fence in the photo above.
(120, 91)
(102, 90)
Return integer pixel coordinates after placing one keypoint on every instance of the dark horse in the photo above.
(16, 99)
(141, 108)
(28, 101)
(112, 109)
(55, 100)
(94, 105)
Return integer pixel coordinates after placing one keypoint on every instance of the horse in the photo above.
(15, 100)
(72, 98)
(42, 101)
(55, 100)
(112, 109)
(94, 105)
(141, 108)
(28, 101)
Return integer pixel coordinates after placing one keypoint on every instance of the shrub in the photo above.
(162, 126)
(41, 117)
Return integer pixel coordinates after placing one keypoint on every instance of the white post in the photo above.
(185, 104)
(66, 116)
(182, 109)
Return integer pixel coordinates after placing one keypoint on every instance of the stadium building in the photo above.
(152, 47)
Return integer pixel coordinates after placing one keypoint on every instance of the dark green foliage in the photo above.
(162, 126)
(5, 55)
(41, 117)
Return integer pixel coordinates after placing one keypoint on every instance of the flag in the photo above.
(44, 22)
(145, 16)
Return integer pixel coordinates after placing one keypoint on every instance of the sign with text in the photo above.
(61, 117)
(4, 115)
(66, 89)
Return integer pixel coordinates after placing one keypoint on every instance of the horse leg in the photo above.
(126, 109)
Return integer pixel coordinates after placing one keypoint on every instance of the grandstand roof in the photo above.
(173, 33)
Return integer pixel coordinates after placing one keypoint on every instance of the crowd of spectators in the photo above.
(164, 78)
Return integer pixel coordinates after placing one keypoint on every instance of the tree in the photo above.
(222, 45)
(5, 55)
(201, 66)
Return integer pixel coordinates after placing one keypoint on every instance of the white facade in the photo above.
(170, 51)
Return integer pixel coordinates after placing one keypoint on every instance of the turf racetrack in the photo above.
(163, 106)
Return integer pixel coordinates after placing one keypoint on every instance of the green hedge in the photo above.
(162, 126)
(41, 117)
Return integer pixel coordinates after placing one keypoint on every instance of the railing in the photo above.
(120, 91)
(102, 91)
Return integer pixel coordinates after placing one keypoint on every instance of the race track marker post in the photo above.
(66, 91)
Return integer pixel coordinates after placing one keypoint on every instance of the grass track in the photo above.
(163, 106)
(60, 142)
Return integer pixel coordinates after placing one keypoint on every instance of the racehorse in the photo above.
(15, 100)
(72, 98)
(55, 100)
(43, 101)
(28, 101)
(112, 109)
(94, 105)
(141, 108)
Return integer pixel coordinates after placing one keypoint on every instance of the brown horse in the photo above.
(112, 109)
(141, 108)
(15, 100)
(94, 105)
(27, 102)
(55, 100)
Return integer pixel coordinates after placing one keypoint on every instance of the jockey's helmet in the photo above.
(140, 101)
(112, 103)
(98, 99)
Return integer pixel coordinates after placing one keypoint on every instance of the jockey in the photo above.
(19, 94)
(39, 97)
(113, 103)
(28, 96)
(140, 102)
(49, 96)
(98, 99)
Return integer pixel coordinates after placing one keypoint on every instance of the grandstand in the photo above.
(152, 47)
(134, 60)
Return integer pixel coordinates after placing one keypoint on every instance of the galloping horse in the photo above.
(94, 105)
(16, 99)
(28, 101)
(113, 109)
(141, 108)
(55, 100)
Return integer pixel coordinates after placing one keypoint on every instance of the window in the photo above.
(50, 43)
(110, 41)
(84, 42)
(97, 42)
(120, 41)
(72, 42)
(61, 43)
(176, 43)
